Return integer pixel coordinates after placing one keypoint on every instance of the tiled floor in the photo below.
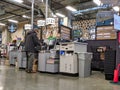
(14, 79)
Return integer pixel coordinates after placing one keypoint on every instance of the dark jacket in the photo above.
(31, 42)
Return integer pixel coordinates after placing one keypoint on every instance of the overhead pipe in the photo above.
(89, 9)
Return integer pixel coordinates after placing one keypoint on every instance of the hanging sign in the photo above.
(41, 22)
(116, 22)
(50, 21)
(12, 27)
(27, 27)
(104, 15)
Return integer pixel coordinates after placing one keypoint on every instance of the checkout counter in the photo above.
(48, 58)
(17, 55)
(22, 59)
(42, 59)
(13, 57)
(68, 57)
(13, 52)
(48, 61)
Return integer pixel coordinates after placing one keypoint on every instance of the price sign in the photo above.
(27, 26)
(41, 22)
(50, 21)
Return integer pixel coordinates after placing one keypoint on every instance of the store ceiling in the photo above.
(9, 9)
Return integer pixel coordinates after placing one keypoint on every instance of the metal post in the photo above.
(32, 14)
(46, 14)
(41, 33)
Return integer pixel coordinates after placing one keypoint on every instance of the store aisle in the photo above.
(14, 79)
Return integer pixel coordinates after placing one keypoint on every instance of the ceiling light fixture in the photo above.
(24, 16)
(14, 21)
(116, 8)
(98, 2)
(2, 24)
(19, 1)
(54, 15)
(60, 15)
(71, 8)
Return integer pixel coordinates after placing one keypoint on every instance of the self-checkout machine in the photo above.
(68, 57)
(12, 47)
(49, 56)
(21, 57)
(43, 53)
(52, 64)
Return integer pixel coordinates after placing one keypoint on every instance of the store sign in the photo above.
(110, 2)
(104, 15)
(116, 22)
(50, 21)
(12, 27)
(41, 22)
(27, 26)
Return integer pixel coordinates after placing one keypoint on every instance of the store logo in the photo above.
(12, 27)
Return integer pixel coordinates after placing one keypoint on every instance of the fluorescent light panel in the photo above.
(14, 21)
(19, 1)
(24, 16)
(2, 24)
(71, 8)
(54, 15)
(60, 15)
(116, 8)
(98, 2)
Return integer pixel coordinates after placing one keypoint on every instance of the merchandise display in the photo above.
(87, 28)
(65, 32)
(76, 34)
(106, 32)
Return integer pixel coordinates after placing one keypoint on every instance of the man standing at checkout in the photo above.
(31, 47)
